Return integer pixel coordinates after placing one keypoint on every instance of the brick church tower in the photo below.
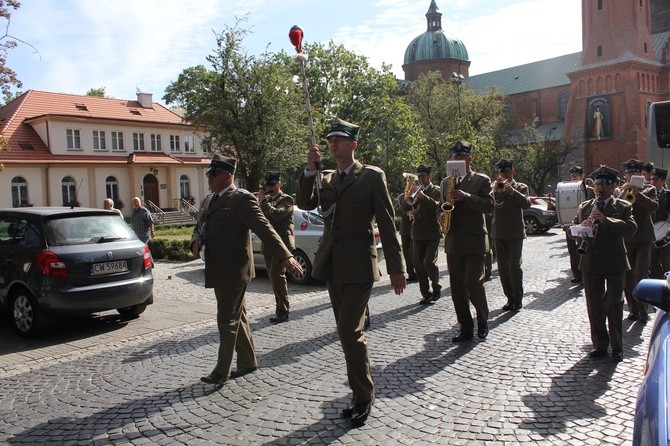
(619, 74)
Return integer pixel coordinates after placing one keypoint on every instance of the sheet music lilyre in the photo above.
(456, 167)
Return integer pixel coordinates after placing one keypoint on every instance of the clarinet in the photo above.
(589, 221)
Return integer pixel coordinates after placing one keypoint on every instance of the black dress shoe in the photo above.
(598, 353)
(576, 280)
(508, 306)
(517, 306)
(617, 355)
(644, 318)
(632, 316)
(241, 371)
(482, 331)
(214, 378)
(462, 337)
(412, 278)
(348, 411)
(279, 318)
(360, 413)
(436, 295)
(426, 299)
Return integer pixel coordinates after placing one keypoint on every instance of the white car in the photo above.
(308, 228)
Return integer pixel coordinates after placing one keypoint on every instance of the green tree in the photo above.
(449, 112)
(8, 77)
(97, 92)
(249, 107)
(343, 84)
(536, 155)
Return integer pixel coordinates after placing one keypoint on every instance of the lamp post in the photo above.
(457, 79)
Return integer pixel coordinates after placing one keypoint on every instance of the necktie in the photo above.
(343, 175)
(211, 202)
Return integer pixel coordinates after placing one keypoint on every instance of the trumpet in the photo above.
(500, 184)
(411, 198)
(629, 195)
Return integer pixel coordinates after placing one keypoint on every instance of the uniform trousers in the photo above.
(425, 265)
(349, 303)
(406, 240)
(639, 257)
(465, 277)
(277, 275)
(604, 304)
(660, 262)
(574, 255)
(509, 268)
(234, 329)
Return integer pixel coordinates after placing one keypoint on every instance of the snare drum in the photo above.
(569, 195)
(662, 231)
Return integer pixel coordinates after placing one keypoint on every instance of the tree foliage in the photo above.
(449, 112)
(8, 77)
(248, 106)
(97, 92)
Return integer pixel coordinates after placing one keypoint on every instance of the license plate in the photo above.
(100, 269)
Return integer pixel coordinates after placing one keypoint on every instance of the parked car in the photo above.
(652, 419)
(308, 228)
(539, 217)
(68, 261)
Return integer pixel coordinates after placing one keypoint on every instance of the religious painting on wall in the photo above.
(598, 118)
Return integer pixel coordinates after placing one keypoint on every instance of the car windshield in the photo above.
(86, 229)
(313, 218)
(541, 202)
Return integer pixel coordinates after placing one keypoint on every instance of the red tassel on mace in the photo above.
(295, 35)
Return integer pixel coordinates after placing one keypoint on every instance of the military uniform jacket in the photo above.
(279, 212)
(508, 213)
(467, 234)
(607, 251)
(224, 230)
(643, 209)
(663, 211)
(426, 226)
(347, 251)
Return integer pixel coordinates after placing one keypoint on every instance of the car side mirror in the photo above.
(653, 291)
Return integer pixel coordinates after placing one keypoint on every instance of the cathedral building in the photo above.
(597, 98)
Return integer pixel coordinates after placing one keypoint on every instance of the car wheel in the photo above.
(306, 276)
(27, 318)
(133, 311)
(532, 225)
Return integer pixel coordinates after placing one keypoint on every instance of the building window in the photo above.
(112, 188)
(19, 192)
(73, 139)
(117, 142)
(600, 5)
(562, 104)
(174, 143)
(600, 51)
(69, 190)
(189, 145)
(184, 187)
(99, 140)
(138, 142)
(156, 142)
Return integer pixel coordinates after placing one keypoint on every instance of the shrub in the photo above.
(179, 250)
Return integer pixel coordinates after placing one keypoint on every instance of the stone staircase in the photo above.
(173, 218)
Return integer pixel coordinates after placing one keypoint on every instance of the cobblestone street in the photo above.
(104, 381)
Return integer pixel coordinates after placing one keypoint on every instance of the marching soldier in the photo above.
(466, 244)
(647, 172)
(278, 209)
(604, 263)
(660, 256)
(508, 231)
(638, 245)
(426, 235)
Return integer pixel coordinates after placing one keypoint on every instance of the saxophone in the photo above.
(447, 207)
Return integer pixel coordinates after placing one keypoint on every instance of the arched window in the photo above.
(20, 192)
(600, 51)
(600, 5)
(507, 109)
(562, 104)
(184, 187)
(112, 188)
(69, 190)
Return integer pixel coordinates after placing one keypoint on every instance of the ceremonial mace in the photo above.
(295, 35)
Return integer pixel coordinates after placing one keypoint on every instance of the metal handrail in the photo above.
(183, 205)
(157, 213)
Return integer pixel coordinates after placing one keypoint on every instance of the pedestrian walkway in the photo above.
(530, 382)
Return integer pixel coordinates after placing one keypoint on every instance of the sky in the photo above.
(71, 46)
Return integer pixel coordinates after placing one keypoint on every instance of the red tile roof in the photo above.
(34, 104)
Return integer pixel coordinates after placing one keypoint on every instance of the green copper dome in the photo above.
(434, 43)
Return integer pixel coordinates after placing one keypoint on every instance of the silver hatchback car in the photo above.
(69, 261)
